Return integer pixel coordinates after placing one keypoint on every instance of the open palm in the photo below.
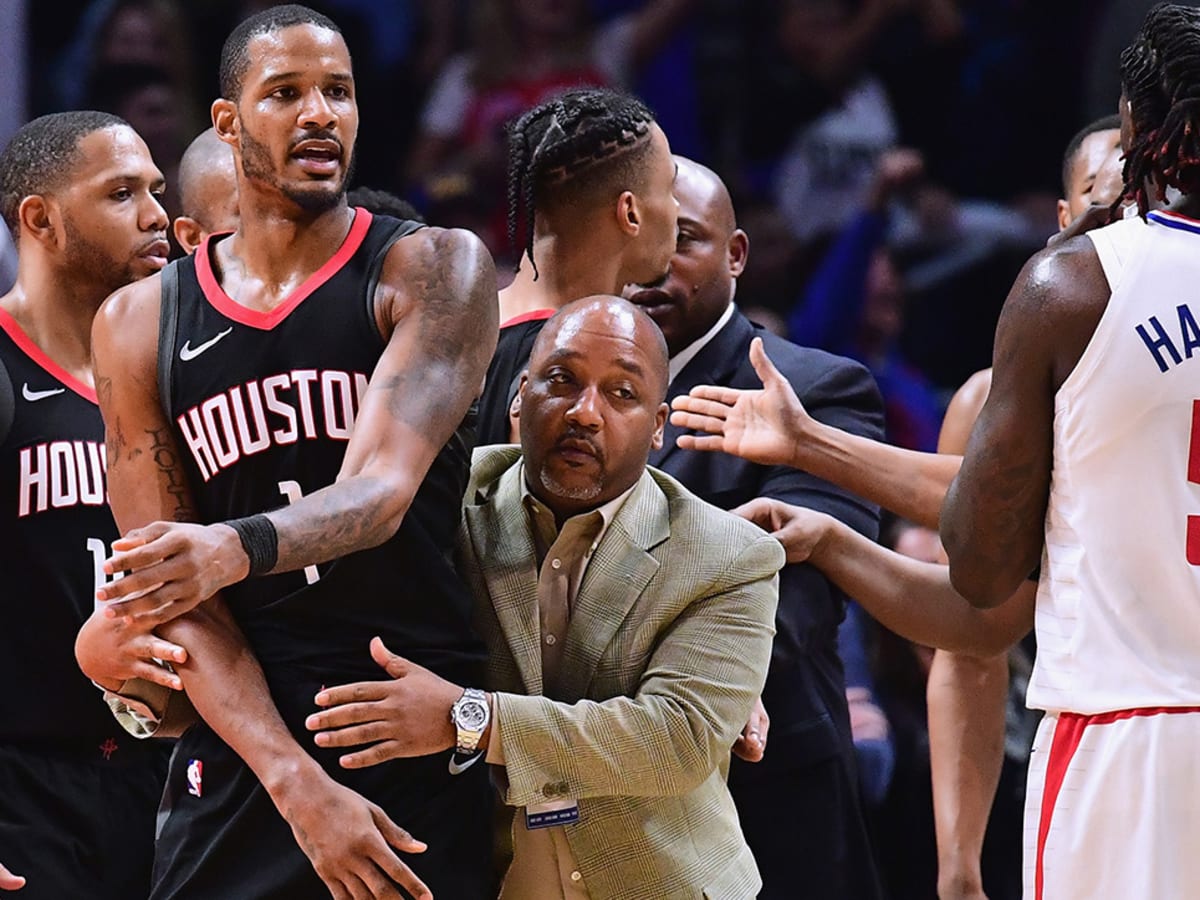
(762, 426)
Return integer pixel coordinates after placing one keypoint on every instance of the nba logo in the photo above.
(194, 775)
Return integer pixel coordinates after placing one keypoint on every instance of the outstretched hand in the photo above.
(762, 426)
(799, 530)
(406, 716)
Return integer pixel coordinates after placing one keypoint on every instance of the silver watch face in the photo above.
(471, 715)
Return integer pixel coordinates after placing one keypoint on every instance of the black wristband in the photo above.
(259, 540)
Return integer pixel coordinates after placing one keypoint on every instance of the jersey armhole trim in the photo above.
(375, 268)
(168, 327)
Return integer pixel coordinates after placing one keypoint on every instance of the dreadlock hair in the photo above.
(235, 60)
(1160, 77)
(1108, 123)
(583, 145)
(42, 155)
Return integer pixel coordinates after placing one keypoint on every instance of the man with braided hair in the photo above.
(589, 187)
(1088, 444)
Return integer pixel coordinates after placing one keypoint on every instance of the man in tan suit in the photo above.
(629, 626)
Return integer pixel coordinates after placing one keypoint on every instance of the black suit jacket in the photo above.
(805, 692)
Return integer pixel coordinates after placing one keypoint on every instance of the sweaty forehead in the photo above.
(295, 48)
(114, 150)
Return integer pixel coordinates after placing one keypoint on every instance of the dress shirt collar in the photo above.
(677, 362)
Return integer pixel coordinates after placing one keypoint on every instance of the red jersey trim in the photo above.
(265, 321)
(533, 315)
(1068, 732)
(34, 352)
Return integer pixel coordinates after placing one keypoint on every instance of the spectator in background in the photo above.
(147, 97)
(854, 305)
(522, 53)
(128, 32)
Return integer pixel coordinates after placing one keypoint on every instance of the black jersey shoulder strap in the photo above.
(168, 327)
(8, 402)
(402, 228)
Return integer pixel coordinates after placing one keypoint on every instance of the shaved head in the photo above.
(612, 316)
(708, 192)
(592, 403)
(710, 253)
(208, 183)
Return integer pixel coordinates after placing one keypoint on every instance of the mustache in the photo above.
(323, 134)
(575, 435)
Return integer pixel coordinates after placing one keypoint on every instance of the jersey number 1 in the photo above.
(291, 490)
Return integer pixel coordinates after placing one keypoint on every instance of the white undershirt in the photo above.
(676, 363)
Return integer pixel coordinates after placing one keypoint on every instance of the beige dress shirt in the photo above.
(543, 867)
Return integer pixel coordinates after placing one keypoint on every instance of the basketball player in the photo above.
(80, 194)
(591, 173)
(207, 191)
(1087, 445)
(259, 396)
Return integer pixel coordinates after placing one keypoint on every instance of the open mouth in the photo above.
(651, 299)
(318, 157)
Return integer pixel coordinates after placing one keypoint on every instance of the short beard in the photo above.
(85, 255)
(583, 494)
(256, 166)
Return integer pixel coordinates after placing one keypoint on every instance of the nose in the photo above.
(315, 111)
(152, 216)
(585, 411)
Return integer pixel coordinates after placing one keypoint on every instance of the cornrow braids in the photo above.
(1160, 76)
(554, 143)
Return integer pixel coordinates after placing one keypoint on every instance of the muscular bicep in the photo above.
(993, 519)
(443, 313)
(146, 479)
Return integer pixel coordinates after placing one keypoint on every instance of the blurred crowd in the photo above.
(895, 162)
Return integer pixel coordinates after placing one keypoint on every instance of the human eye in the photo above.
(339, 92)
(121, 193)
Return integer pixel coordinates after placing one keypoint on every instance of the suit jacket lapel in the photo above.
(615, 578)
(718, 360)
(503, 544)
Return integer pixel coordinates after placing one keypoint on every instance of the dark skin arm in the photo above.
(221, 676)
(437, 306)
(993, 518)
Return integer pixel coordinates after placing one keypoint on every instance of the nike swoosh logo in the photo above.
(188, 352)
(456, 769)
(33, 396)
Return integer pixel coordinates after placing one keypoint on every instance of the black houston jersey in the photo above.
(262, 406)
(57, 532)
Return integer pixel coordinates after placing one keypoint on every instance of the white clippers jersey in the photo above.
(1118, 605)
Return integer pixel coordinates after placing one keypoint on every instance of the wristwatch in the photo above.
(470, 717)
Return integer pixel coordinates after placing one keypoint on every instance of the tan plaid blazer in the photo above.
(667, 649)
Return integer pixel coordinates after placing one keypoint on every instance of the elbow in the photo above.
(980, 586)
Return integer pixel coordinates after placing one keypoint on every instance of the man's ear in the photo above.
(739, 251)
(1064, 215)
(39, 218)
(660, 422)
(629, 214)
(189, 233)
(225, 120)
